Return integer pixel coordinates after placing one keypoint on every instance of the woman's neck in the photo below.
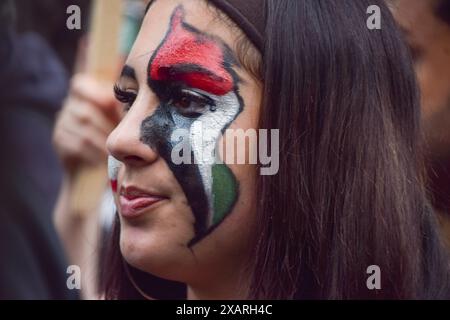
(229, 286)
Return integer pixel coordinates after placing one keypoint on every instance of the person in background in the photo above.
(48, 19)
(429, 42)
(33, 85)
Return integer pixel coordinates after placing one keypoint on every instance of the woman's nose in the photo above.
(124, 143)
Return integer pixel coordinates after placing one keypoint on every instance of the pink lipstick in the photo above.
(134, 201)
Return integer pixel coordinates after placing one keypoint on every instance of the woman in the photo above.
(349, 192)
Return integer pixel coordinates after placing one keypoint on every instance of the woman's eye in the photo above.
(125, 97)
(191, 104)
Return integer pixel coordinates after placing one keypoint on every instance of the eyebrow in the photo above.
(128, 71)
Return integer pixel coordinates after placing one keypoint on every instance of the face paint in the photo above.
(191, 74)
(199, 60)
(113, 172)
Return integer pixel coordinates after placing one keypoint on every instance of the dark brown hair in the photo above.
(349, 192)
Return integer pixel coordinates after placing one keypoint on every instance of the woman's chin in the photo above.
(162, 257)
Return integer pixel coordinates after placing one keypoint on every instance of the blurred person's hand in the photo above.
(89, 114)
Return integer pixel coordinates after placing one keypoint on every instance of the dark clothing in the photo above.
(33, 84)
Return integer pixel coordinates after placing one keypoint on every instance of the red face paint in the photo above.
(194, 59)
(114, 185)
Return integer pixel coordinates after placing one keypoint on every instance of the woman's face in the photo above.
(183, 215)
(430, 43)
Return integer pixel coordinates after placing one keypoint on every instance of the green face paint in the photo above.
(224, 191)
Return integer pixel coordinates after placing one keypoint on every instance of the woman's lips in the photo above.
(134, 201)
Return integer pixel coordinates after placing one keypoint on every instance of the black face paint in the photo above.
(156, 132)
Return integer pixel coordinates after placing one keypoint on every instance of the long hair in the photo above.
(349, 193)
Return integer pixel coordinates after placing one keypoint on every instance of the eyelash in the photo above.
(189, 103)
(174, 96)
(126, 97)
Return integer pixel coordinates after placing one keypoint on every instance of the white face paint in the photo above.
(204, 135)
(113, 171)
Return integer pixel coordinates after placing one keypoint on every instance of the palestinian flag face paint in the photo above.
(113, 172)
(192, 75)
